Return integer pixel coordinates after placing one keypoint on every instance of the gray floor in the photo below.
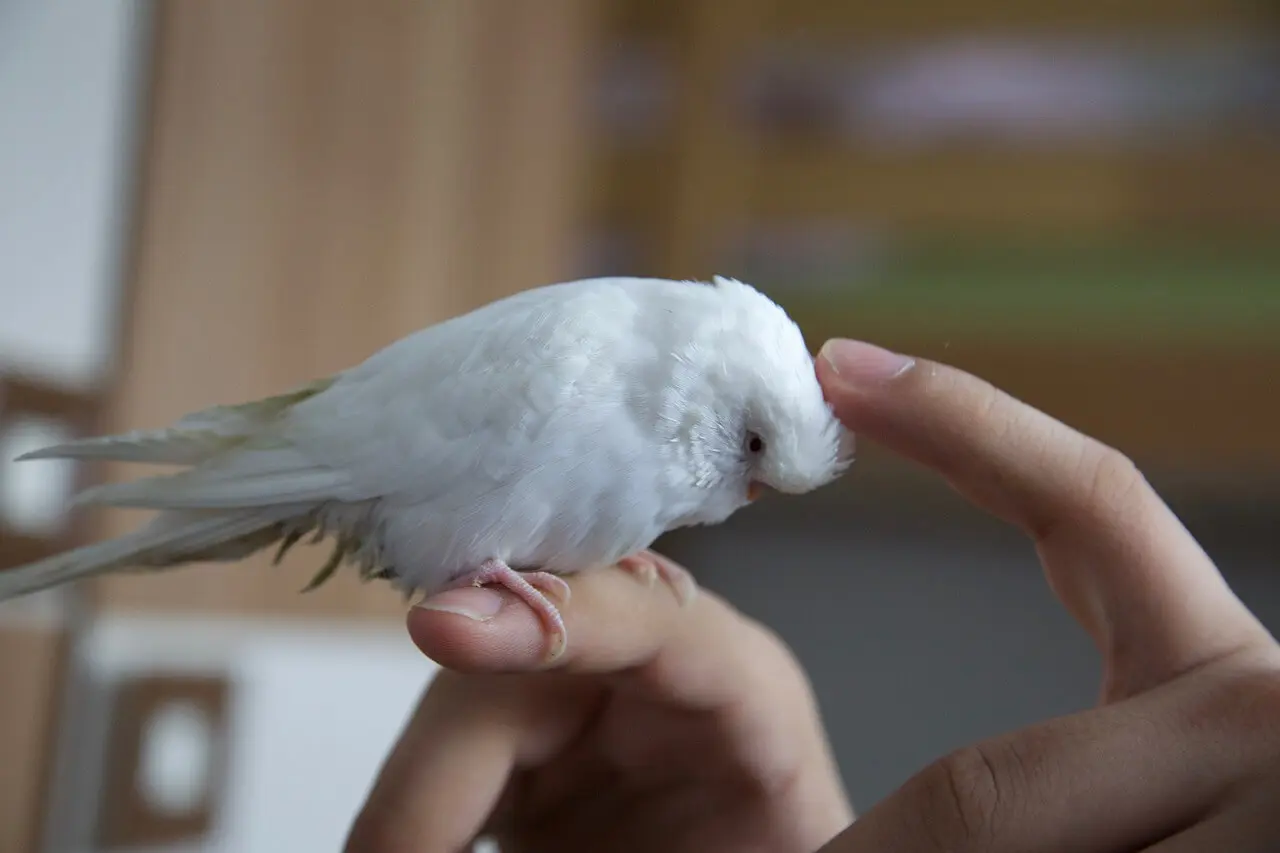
(922, 638)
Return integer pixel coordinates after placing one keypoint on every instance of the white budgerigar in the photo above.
(556, 430)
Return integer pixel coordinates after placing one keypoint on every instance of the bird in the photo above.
(559, 429)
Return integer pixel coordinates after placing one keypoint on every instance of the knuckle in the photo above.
(989, 402)
(1102, 484)
(1000, 414)
(1244, 696)
(1111, 482)
(963, 794)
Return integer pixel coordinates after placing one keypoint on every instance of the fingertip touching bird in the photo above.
(560, 429)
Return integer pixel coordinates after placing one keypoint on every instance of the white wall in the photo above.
(315, 709)
(67, 90)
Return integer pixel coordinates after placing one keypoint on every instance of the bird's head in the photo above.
(774, 430)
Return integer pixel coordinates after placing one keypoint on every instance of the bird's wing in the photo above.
(457, 407)
(465, 405)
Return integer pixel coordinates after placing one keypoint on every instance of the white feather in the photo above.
(241, 478)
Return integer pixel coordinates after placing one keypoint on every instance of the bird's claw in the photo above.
(535, 589)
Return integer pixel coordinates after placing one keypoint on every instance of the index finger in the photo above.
(703, 653)
(1115, 554)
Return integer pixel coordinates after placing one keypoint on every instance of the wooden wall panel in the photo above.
(824, 20)
(958, 191)
(821, 21)
(323, 178)
(707, 180)
(29, 668)
(1224, 187)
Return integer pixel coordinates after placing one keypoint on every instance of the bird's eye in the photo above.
(755, 443)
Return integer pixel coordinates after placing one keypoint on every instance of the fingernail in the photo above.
(473, 602)
(861, 363)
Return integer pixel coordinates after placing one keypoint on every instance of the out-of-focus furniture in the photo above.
(1119, 275)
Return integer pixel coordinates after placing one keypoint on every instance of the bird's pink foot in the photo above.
(650, 568)
(536, 589)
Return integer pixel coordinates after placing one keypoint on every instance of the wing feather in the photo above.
(239, 479)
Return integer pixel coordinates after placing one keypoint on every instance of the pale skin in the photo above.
(670, 727)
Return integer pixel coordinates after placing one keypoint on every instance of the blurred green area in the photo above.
(1113, 291)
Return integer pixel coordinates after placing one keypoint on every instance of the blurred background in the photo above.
(208, 202)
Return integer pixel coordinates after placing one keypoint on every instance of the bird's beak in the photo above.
(757, 490)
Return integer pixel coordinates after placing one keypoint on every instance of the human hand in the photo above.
(1183, 753)
(662, 727)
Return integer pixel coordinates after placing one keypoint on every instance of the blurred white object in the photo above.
(177, 755)
(314, 710)
(34, 498)
(68, 83)
(1023, 89)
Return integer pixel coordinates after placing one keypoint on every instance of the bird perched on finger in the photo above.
(557, 430)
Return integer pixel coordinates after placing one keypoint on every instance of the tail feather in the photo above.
(244, 492)
(171, 539)
(241, 479)
(194, 439)
(159, 447)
